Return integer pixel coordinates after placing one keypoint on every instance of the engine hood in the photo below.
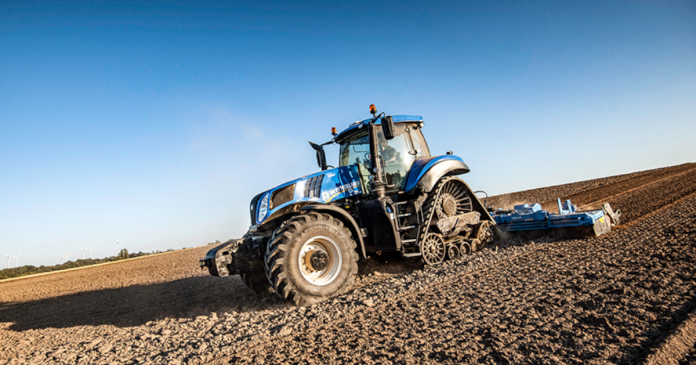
(321, 187)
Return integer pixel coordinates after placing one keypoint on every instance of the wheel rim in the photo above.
(475, 245)
(433, 249)
(485, 233)
(320, 260)
(465, 248)
(453, 252)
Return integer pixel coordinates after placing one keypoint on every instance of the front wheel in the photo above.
(311, 258)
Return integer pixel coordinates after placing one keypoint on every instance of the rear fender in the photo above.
(341, 214)
(427, 171)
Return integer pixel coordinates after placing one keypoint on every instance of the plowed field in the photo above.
(626, 297)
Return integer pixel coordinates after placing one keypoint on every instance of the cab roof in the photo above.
(356, 126)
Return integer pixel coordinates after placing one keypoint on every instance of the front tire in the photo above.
(311, 258)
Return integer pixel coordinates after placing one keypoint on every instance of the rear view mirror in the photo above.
(388, 127)
(321, 155)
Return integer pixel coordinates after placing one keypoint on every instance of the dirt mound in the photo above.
(624, 298)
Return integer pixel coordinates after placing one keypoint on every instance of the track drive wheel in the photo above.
(311, 258)
(453, 199)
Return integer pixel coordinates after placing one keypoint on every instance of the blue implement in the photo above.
(527, 217)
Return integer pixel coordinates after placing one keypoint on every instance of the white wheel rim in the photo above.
(434, 250)
(330, 248)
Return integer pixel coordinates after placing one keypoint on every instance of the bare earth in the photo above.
(627, 297)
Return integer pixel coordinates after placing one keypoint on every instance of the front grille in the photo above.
(282, 196)
(313, 187)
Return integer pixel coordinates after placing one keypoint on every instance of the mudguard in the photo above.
(345, 217)
(425, 172)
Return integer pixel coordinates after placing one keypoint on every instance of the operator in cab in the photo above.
(388, 152)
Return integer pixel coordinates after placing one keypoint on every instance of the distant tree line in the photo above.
(122, 255)
(31, 269)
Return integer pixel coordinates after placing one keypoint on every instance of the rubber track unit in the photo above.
(277, 254)
(430, 204)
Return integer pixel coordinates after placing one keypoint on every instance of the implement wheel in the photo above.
(311, 258)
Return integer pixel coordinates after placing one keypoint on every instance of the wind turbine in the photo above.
(17, 260)
(66, 255)
(90, 253)
(118, 245)
(8, 259)
(83, 252)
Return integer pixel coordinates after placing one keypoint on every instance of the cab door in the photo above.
(398, 154)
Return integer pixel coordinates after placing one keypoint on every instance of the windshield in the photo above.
(397, 154)
(356, 151)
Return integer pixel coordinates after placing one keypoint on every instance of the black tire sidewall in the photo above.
(345, 274)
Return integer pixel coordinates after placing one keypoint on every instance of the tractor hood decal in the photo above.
(322, 187)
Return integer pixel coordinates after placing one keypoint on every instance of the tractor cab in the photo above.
(395, 155)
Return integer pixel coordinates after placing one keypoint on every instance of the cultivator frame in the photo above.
(528, 218)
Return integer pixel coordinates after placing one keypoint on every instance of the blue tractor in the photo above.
(388, 194)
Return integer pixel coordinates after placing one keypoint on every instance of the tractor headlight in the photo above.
(263, 208)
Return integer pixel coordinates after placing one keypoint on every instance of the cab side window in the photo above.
(396, 157)
(421, 148)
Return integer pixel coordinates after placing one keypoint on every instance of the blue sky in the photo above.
(156, 124)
